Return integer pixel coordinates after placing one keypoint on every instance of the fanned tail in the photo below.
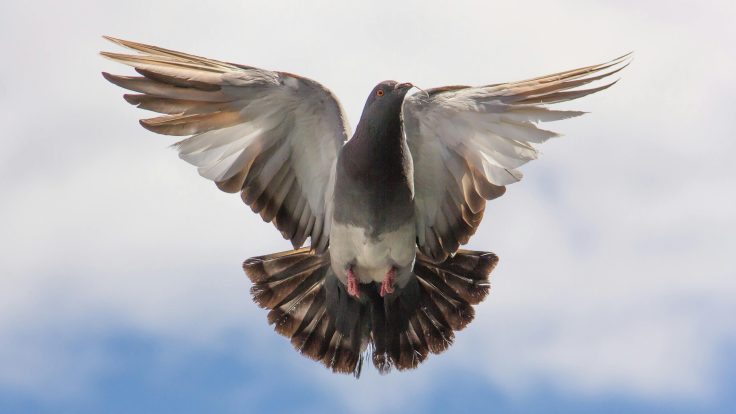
(422, 317)
(309, 305)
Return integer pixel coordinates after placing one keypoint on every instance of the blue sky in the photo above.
(121, 288)
(211, 381)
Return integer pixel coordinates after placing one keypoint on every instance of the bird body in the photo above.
(385, 211)
(375, 230)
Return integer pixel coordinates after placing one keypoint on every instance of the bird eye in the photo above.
(379, 92)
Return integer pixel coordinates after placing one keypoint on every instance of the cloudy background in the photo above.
(120, 280)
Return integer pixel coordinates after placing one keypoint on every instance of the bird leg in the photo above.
(353, 288)
(387, 286)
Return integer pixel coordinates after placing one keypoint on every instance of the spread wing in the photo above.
(467, 142)
(271, 136)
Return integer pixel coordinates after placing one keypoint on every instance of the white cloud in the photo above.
(614, 271)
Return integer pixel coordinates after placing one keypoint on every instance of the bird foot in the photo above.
(353, 288)
(387, 286)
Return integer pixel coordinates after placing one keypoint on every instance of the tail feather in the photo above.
(299, 289)
(309, 305)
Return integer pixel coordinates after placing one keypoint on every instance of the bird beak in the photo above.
(405, 85)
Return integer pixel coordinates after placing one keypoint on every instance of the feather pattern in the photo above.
(474, 139)
(307, 305)
(272, 136)
(310, 306)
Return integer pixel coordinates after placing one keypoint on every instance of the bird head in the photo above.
(386, 98)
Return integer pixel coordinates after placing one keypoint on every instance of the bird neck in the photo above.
(380, 132)
(378, 147)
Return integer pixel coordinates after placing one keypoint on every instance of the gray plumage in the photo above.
(385, 211)
(374, 227)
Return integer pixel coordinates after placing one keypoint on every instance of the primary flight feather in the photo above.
(386, 208)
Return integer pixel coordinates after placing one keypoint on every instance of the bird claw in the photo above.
(353, 287)
(387, 286)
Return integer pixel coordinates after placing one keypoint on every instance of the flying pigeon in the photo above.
(386, 208)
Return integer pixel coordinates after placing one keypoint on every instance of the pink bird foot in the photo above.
(387, 286)
(353, 289)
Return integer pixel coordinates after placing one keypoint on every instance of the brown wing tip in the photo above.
(111, 55)
(133, 99)
(111, 38)
(160, 125)
(626, 56)
(116, 79)
(145, 123)
(121, 42)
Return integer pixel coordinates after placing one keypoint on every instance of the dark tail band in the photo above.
(309, 305)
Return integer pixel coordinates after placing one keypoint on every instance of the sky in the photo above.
(121, 288)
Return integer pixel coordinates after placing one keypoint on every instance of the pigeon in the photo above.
(386, 209)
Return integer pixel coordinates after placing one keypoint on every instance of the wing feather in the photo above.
(273, 136)
(467, 143)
